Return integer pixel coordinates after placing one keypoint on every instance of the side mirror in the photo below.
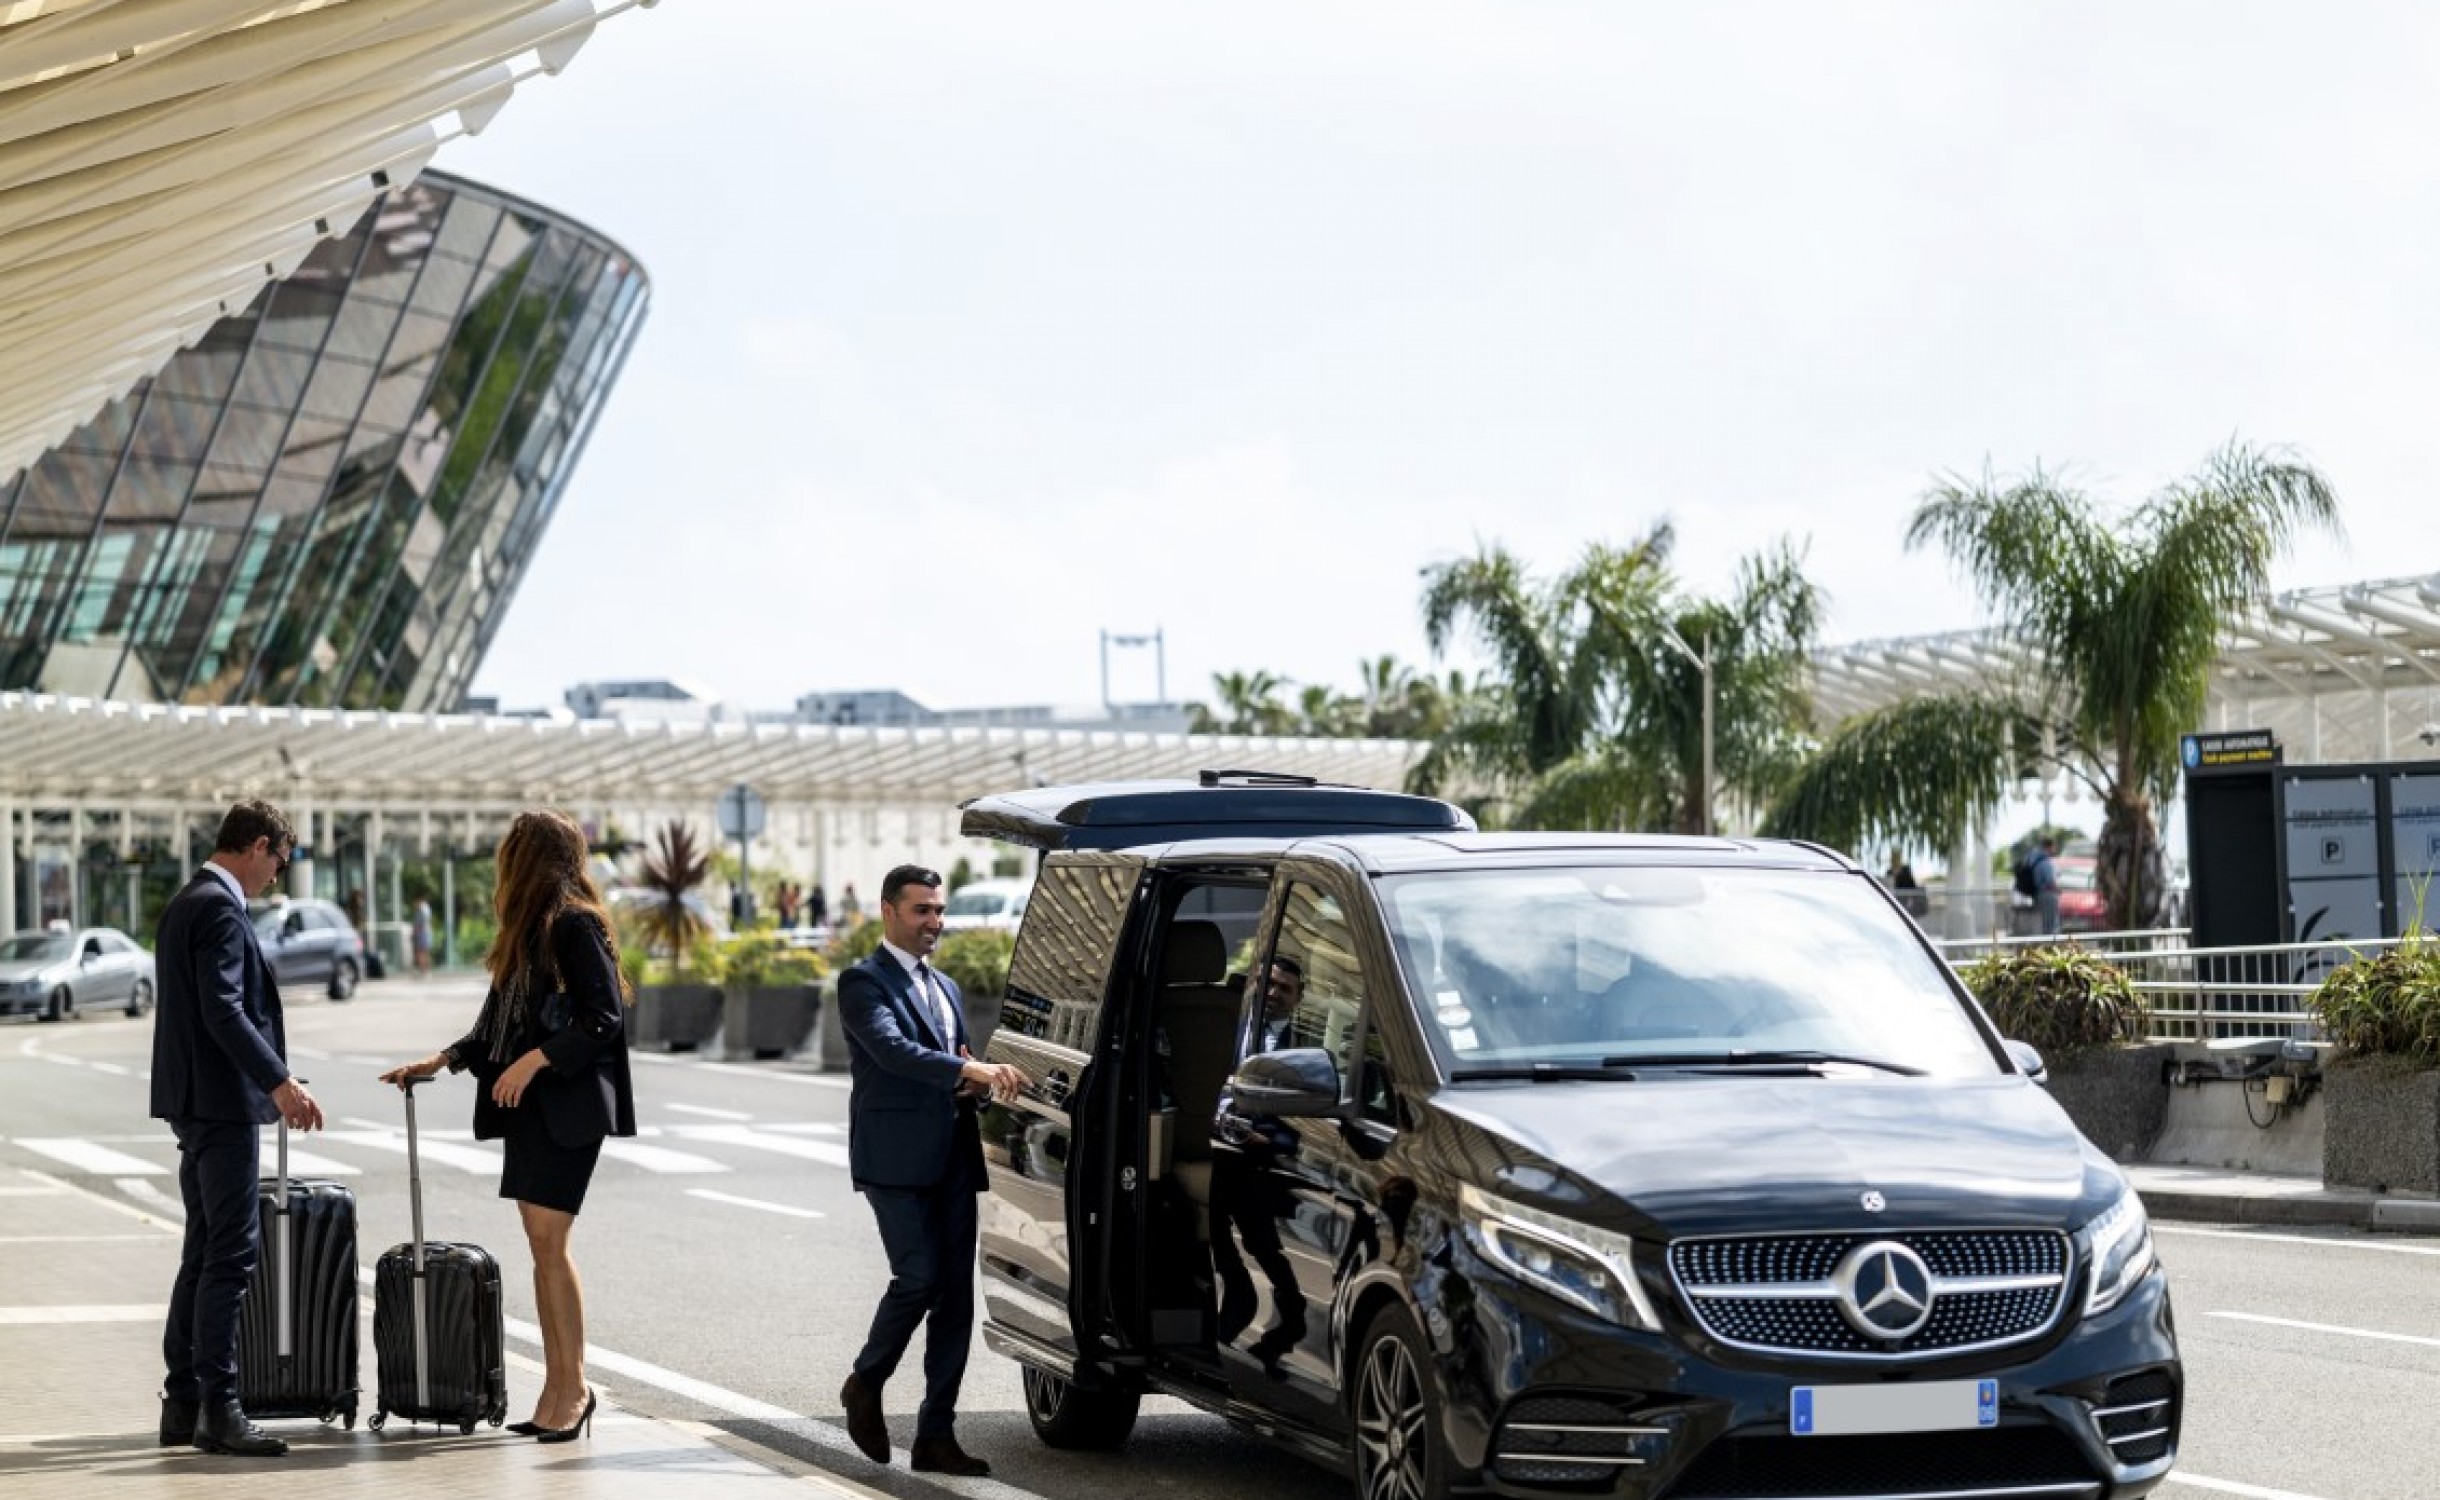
(1296, 1082)
(2028, 1061)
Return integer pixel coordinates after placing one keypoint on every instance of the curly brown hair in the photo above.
(541, 873)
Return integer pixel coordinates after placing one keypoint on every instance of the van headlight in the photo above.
(2119, 1246)
(1580, 1264)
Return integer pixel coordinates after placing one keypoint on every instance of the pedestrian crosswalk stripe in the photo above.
(760, 1140)
(85, 1156)
(477, 1159)
(115, 1312)
(659, 1158)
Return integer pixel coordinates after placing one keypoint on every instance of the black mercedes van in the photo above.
(1554, 1164)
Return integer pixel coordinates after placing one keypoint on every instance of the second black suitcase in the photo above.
(296, 1343)
(438, 1326)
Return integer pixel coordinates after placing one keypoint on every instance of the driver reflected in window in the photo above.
(1248, 1201)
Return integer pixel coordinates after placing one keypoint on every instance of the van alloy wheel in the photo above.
(1066, 1415)
(1398, 1449)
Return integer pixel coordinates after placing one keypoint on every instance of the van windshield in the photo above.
(1582, 965)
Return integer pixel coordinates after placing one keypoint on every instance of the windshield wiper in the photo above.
(1755, 1059)
(1605, 1072)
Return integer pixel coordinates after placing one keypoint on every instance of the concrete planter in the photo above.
(679, 1017)
(982, 1019)
(2117, 1096)
(2383, 1130)
(768, 1021)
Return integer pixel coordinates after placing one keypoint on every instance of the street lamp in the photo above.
(1702, 661)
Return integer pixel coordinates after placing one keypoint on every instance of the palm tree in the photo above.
(1596, 719)
(671, 872)
(2122, 617)
(1249, 704)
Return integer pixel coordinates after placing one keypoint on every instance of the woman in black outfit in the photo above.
(550, 1050)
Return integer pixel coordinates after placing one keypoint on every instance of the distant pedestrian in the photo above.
(1900, 876)
(851, 911)
(419, 938)
(2046, 886)
(787, 902)
(817, 908)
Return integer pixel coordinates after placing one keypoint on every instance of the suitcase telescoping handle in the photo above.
(422, 1310)
(283, 1258)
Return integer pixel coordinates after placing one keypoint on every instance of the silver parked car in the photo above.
(57, 973)
(310, 942)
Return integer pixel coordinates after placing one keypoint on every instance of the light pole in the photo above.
(1702, 661)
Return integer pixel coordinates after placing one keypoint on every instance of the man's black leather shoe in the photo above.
(864, 1421)
(942, 1455)
(177, 1422)
(223, 1427)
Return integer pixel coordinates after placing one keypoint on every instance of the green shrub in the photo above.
(2386, 1004)
(701, 964)
(977, 959)
(763, 959)
(855, 944)
(2061, 1000)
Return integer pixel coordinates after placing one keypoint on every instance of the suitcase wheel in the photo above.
(496, 1421)
(466, 1428)
(376, 1421)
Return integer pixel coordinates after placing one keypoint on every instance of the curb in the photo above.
(2341, 1209)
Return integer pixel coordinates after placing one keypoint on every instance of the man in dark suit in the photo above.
(916, 1154)
(219, 1073)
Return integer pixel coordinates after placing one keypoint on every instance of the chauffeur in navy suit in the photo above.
(219, 1073)
(916, 1154)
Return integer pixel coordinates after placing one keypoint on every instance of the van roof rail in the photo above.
(1235, 777)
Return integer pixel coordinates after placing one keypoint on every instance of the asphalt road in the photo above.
(730, 1271)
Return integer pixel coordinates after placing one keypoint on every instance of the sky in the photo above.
(980, 328)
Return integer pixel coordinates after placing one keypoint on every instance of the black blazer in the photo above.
(586, 1092)
(906, 1126)
(219, 1045)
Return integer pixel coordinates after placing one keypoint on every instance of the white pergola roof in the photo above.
(2350, 673)
(161, 159)
(57, 752)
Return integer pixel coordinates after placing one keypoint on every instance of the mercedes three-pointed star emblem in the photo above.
(1884, 1290)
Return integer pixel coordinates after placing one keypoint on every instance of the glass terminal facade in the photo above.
(329, 500)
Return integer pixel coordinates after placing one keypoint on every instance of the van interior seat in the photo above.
(1198, 1012)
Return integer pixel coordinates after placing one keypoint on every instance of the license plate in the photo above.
(1847, 1410)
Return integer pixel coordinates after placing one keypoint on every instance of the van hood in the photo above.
(1702, 1154)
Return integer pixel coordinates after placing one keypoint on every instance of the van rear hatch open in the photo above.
(1218, 804)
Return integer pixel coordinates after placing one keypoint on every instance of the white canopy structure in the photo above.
(2350, 673)
(160, 160)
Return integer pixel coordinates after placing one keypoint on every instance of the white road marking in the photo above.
(76, 1239)
(307, 1164)
(473, 1159)
(85, 1156)
(299, 1049)
(73, 1062)
(770, 1208)
(2317, 1241)
(711, 1113)
(2231, 1487)
(112, 1312)
(110, 1067)
(2356, 1333)
(659, 1158)
(746, 1135)
(172, 1209)
(810, 1127)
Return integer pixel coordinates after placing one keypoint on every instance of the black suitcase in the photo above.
(438, 1326)
(296, 1342)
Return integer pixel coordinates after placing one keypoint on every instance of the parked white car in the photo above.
(987, 903)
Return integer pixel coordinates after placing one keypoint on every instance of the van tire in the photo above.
(1399, 1451)
(343, 979)
(1067, 1415)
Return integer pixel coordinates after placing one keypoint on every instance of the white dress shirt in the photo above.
(927, 990)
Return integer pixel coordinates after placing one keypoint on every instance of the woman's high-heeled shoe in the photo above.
(570, 1434)
(525, 1429)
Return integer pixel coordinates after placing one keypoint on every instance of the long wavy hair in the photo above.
(541, 874)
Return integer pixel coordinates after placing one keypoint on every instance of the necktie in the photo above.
(935, 998)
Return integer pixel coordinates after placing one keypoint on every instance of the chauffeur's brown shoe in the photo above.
(864, 1421)
(942, 1455)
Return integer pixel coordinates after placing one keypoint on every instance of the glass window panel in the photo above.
(299, 315)
(397, 395)
(107, 432)
(219, 485)
(232, 333)
(363, 330)
(151, 488)
(443, 287)
(290, 495)
(249, 439)
(468, 228)
(337, 390)
(420, 336)
(385, 276)
(173, 429)
(274, 378)
(204, 373)
(64, 494)
(93, 591)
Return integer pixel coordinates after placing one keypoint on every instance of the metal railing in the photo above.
(2205, 994)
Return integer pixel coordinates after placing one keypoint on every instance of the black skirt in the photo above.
(537, 1169)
